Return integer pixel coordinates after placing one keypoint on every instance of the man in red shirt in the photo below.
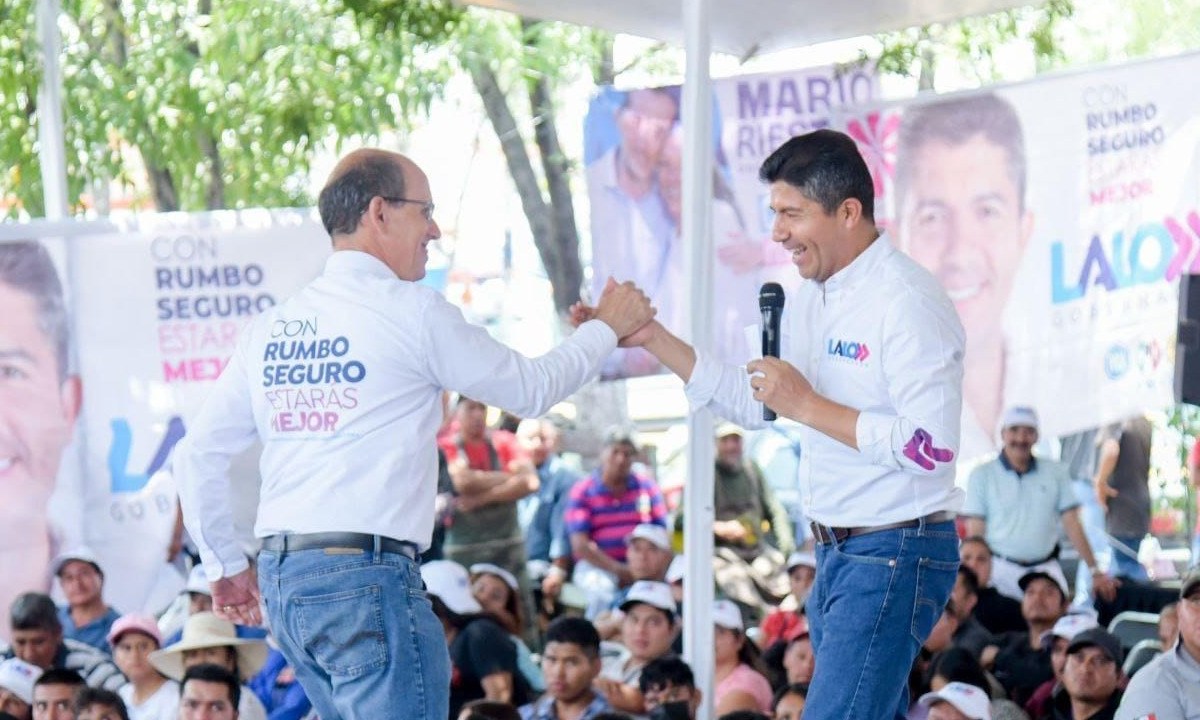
(489, 475)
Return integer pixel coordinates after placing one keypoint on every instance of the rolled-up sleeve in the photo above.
(223, 428)
(464, 357)
(922, 366)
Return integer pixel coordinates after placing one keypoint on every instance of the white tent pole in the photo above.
(697, 237)
(50, 113)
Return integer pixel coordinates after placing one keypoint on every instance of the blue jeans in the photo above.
(359, 631)
(1123, 564)
(875, 600)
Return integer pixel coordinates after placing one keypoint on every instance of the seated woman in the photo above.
(740, 682)
(498, 593)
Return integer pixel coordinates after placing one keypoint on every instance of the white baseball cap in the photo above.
(677, 569)
(967, 699)
(82, 554)
(1068, 626)
(18, 676)
(726, 614)
(797, 559)
(1020, 416)
(451, 583)
(656, 534)
(652, 593)
(492, 569)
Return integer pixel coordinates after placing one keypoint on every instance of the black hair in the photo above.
(970, 579)
(490, 710)
(743, 715)
(34, 611)
(344, 198)
(85, 697)
(666, 671)
(979, 539)
(957, 664)
(59, 676)
(577, 631)
(826, 167)
(207, 672)
(800, 689)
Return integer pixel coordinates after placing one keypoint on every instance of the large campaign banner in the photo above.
(633, 155)
(150, 312)
(1059, 214)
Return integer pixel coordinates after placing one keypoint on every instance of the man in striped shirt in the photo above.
(603, 510)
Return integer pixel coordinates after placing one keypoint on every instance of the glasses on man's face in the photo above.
(426, 205)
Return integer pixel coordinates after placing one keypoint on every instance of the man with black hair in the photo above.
(971, 635)
(1019, 660)
(871, 369)
(570, 664)
(669, 688)
(97, 704)
(37, 638)
(209, 692)
(54, 694)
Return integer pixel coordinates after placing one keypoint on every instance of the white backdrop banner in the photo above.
(156, 307)
(1059, 214)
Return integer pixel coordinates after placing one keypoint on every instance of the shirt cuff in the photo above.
(596, 334)
(702, 386)
(873, 433)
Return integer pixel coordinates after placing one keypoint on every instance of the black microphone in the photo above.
(770, 303)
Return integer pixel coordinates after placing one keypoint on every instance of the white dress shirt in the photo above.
(343, 385)
(880, 336)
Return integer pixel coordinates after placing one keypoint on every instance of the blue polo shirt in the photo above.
(94, 633)
(1021, 510)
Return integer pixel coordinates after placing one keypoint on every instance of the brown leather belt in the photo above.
(284, 544)
(828, 535)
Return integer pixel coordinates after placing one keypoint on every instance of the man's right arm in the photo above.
(223, 428)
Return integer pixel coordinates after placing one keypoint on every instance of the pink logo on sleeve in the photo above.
(921, 450)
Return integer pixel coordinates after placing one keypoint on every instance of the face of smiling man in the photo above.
(38, 407)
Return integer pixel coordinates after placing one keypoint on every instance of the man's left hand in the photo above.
(235, 598)
(780, 386)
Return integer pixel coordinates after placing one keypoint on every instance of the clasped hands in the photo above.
(776, 383)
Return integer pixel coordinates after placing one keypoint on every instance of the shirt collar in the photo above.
(1008, 466)
(357, 262)
(862, 266)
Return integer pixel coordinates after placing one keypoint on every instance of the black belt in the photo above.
(338, 541)
(828, 535)
(1031, 563)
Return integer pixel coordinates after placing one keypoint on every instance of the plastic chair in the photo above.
(1131, 627)
(1141, 654)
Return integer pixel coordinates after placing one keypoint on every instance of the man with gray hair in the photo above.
(39, 402)
(37, 638)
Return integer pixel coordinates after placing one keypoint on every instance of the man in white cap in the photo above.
(648, 627)
(649, 556)
(85, 617)
(957, 701)
(16, 687)
(1016, 501)
(753, 534)
(789, 618)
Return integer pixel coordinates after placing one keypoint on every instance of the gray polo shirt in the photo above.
(1166, 689)
(1021, 511)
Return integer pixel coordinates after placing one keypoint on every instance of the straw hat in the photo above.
(205, 630)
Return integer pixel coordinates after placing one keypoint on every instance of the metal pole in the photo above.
(697, 237)
(50, 113)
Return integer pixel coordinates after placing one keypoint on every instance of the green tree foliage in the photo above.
(220, 104)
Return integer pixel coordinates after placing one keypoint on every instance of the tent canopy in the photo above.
(753, 27)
